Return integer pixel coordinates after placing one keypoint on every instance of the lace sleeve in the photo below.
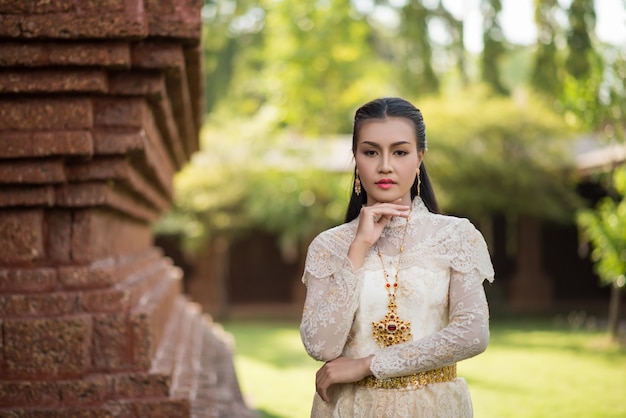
(467, 333)
(331, 298)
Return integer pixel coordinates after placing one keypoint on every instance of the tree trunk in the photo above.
(614, 309)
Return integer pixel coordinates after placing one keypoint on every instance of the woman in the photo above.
(394, 295)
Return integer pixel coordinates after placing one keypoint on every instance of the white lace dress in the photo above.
(440, 292)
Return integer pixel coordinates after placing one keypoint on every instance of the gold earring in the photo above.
(357, 183)
(419, 183)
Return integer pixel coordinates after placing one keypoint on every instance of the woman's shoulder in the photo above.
(450, 223)
(339, 234)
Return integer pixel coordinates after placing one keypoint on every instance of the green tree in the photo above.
(225, 37)
(416, 58)
(255, 181)
(312, 65)
(605, 228)
(545, 76)
(493, 45)
(582, 19)
(492, 154)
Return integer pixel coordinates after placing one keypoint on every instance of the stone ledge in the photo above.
(69, 113)
(95, 194)
(29, 144)
(53, 81)
(48, 171)
(120, 170)
(108, 54)
(73, 26)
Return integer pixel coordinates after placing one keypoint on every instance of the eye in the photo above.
(401, 152)
(369, 152)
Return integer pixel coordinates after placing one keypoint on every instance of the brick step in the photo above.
(192, 375)
(127, 294)
(149, 316)
(127, 340)
(218, 393)
(188, 361)
(153, 408)
(140, 276)
(174, 335)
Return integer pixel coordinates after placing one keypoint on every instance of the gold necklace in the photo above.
(392, 329)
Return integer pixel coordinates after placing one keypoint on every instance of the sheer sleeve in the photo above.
(331, 298)
(467, 332)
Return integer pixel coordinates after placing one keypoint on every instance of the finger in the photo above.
(322, 391)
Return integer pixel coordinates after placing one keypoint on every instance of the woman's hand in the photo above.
(372, 221)
(341, 370)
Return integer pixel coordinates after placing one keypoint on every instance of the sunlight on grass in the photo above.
(532, 369)
(275, 373)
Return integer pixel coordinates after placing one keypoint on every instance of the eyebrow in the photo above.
(374, 144)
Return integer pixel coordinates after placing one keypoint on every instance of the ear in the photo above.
(420, 157)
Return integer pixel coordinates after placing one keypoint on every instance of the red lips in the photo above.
(385, 183)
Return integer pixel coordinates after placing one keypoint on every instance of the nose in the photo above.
(385, 163)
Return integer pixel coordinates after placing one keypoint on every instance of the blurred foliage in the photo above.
(282, 74)
(605, 228)
(246, 180)
(491, 154)
(493, 45)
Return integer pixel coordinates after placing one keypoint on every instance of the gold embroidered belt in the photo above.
(414, 381)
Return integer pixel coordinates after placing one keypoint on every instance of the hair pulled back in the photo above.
(383, 108)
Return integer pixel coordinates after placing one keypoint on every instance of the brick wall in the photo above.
(100, 104)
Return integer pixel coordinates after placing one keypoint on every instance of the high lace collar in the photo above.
(418, 209)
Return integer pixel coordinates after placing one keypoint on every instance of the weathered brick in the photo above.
(46, 114)
(26, 195)
(141, 385)
(21, 235)
(32, 172)
(82, 194)
(149, 317)
(32, 394)
(72, 26)
(101, 194)
(101, 168)
(161, 408)
(104, 411)
(114, 112)
(22, 280)
(97, 234)
(53, 81)
(28, 144)
(30, 7)
(104, 300)
(39, 304)
(144, 345)
(53, 347)
(195, 79)
(91, 390)
(118, 168)
(111, 342)
(59, 237)
(58, 6)
(146, 55)
(74, 277)
(137, 83)
(111, 54)
(118, 141)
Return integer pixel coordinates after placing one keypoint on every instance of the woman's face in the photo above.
(387, 159)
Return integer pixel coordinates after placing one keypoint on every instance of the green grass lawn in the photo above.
(532, 369)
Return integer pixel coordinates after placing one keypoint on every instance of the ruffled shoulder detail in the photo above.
(468, 250)
(328, 252)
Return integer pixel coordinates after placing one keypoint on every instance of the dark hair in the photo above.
(384, 108)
